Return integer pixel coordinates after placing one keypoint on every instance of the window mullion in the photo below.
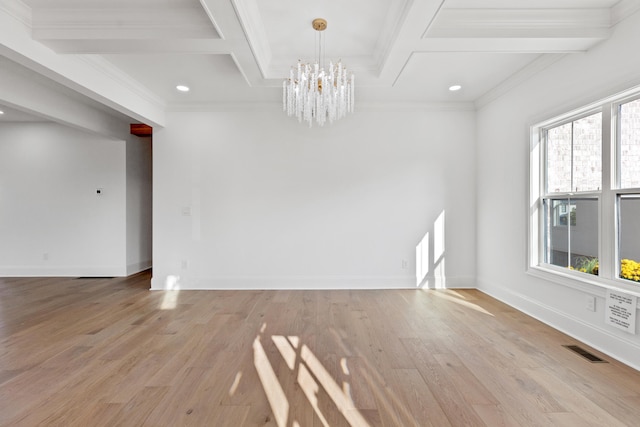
(607, 229)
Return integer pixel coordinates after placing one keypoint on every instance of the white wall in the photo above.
(257, 200)
(503, 156)
(52, 222)
(139, 190)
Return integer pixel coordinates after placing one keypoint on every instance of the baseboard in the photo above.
(138, 267)
(609, 341)
(459, 282)
(305, 282)
(62, 271)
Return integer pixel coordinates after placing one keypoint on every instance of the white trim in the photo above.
(519, 77)
(255, 33)
(19, 11)
(607, 222)
(310, 282)
(622, 10)
(574, 280)
(121, 78)
(605, 339)
(401, 107)
(138, 267)
(62, 271)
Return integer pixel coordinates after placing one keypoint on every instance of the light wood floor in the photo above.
(93, 352)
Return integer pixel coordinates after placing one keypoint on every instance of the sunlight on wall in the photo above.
(422, 259)
(438, 238)
(438, 251)
(171, 291)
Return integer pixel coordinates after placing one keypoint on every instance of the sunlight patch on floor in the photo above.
(171, 293)
(458, 300)
(311, 376)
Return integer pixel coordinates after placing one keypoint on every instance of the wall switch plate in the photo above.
(591, 303)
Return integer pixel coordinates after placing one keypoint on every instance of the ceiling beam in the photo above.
(509, 23)
(99, 81)
(120, 23)
(142, 46)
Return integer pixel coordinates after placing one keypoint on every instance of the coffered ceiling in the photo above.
(237, 52)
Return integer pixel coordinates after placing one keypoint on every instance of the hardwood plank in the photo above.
(495, 415)
(106, 352)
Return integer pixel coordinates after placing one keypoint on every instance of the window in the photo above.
(585, 193)
(573, 153)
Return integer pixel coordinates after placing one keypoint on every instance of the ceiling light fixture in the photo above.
(311, 92)
(1, 112)
(182, 88)
(455, 88)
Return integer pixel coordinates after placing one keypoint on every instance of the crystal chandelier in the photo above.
(311, 92)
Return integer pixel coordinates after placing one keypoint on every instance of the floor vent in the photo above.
(584, 353)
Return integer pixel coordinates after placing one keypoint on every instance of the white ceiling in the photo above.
(239, 51)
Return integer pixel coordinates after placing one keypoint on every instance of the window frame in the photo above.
(608, 245)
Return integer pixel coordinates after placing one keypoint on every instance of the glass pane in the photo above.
(571, 234)
(630, 144)
(587, 153)
(559, 159)
(557, 219)
(583, 236)
(629, 240)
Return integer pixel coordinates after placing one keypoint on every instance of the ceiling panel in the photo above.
(239, 51)
(211, 78)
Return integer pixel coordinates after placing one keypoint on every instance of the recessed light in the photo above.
(182, 88)
(1, 112)
(455, 88)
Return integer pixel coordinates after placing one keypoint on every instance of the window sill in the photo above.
(597, 286)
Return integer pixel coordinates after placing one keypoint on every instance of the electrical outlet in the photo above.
(591, 303)
(185, 264)
(405, 264)
(45, 256)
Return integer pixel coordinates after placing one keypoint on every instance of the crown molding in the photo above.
(623, 9)
(212, 19)
(249, 17)
(96, 23)
(390, 32)
(495, 22)
(407, 107)
(366, 107)
(519, 77)
(17, 10)
(106, 68)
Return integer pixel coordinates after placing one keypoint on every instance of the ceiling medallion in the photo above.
(313, 93)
